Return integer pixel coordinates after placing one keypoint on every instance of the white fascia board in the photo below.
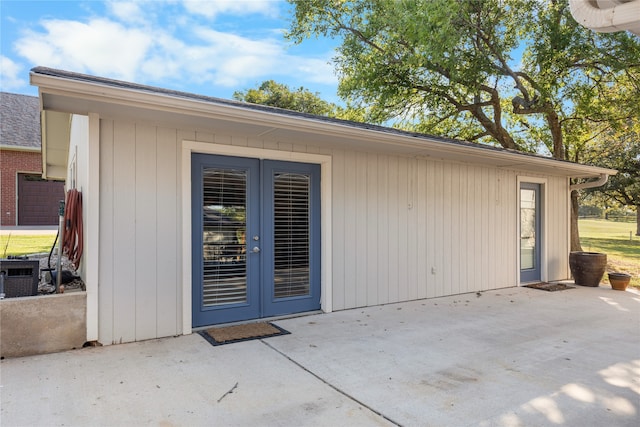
(101, 92)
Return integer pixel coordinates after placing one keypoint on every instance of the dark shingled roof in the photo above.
(19, 121)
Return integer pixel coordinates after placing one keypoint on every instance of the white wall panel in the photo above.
(430, 237)
(139, 238)
(349, 237)
(146, 230)
(465, 253)
(421, 234)
(401, 276)
(371, 215)
(412, 228)
(558, 210)
(382, 241)
(124, 233)
(440, 228)
(106, 246)
(361, 227)
(339, 249)
(168, 242)
(393, 210)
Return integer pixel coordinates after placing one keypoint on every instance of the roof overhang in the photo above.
(607, 16)
(61, 96)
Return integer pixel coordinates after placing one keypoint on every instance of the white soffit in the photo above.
(56, 132)
(607, 16)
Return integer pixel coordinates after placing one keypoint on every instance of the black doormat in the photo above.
(550, 287)
(237, 333)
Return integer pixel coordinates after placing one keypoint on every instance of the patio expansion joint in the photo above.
(342, 392)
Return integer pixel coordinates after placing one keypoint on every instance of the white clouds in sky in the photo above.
(11, 74)
(99, 45)
(126, 11)
(135, 42)
(211, 9)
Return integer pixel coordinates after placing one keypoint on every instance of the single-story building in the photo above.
(201, 211)
(26, 198)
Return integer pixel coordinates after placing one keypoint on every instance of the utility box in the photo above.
(19, 277)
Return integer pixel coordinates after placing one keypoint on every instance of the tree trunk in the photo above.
(575, 234)
(638, 220)
(556, 133)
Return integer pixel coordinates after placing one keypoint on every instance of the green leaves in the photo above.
(518, 73)
(281, 96)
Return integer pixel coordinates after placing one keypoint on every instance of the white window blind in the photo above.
(291, 234)
(224, 224)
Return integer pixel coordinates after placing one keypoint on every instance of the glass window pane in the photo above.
(527, 229)
(291, 234)
(224, 207)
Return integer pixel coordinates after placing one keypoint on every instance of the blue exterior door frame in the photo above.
(211, 239)
(255, 238)
(277, 299)
(530, 232)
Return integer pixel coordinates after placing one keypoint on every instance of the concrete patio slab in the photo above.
(182, 381)
(513, 357)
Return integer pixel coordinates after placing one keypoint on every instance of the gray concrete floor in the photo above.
(513, 357)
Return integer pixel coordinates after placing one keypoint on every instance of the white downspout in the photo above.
(591, 184)
(606, 16)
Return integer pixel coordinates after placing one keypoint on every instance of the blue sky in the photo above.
(210, 47)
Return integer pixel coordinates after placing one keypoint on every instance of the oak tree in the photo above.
(280, 95)
(520, 74)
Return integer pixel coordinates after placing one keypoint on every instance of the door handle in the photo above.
(255, 250)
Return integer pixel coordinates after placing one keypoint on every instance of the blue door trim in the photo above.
(201, 315)
(280, 306)
(535, 273)
(260, 219)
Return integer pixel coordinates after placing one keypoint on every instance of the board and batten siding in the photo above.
(140, 242)
(402, 228)
(408, 229)
(558, 228)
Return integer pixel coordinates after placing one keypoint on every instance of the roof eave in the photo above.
(416, 144)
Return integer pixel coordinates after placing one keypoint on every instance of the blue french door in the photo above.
(530, 232)
(256, 238)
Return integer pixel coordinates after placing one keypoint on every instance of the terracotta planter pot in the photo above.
(587, 268)
(619, 281)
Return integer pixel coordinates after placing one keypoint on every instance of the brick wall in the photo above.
(12, 162)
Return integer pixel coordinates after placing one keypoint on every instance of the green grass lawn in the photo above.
(612, 238)
(25, 245)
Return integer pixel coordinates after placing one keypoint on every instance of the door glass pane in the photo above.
(224, 207)
(527, 229)
(291, 234)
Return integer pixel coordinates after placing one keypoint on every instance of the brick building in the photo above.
(25, 198)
